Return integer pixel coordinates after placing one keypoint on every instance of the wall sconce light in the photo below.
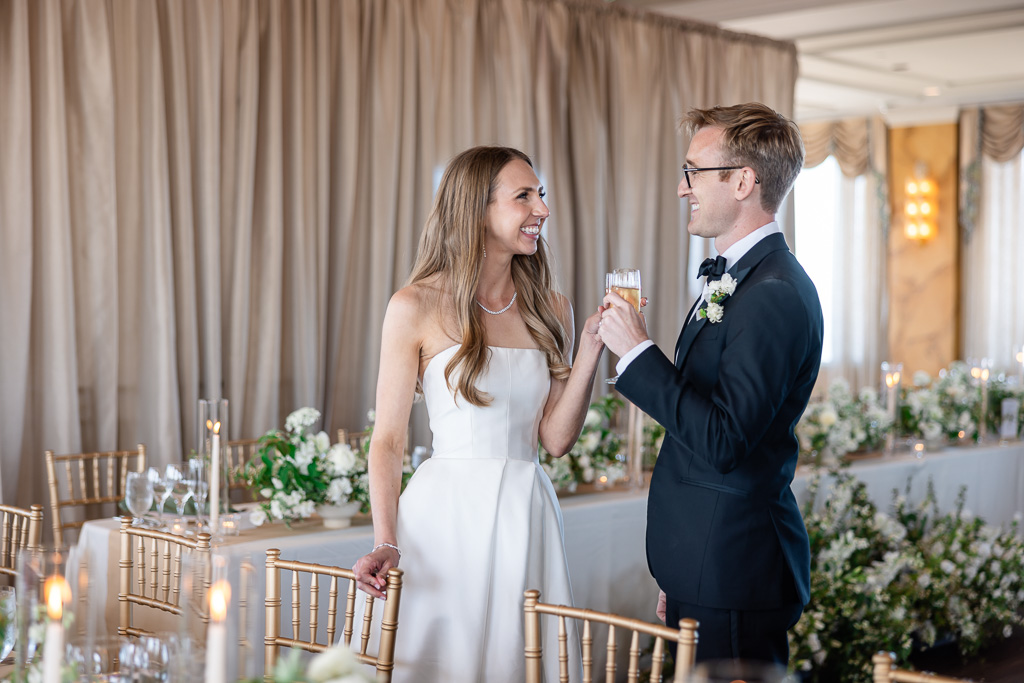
(920, 208)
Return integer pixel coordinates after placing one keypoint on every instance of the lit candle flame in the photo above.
(892, 379)
(919, 447)
(220, 595)
(215, 426)
(57, 592)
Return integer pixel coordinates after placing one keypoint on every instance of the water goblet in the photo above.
(138, 496)
(199, 485)
(161, 492)
(179, 488)
(8, 624)
(626, 283)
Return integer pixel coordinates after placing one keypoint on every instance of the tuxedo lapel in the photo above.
(686, 338)
(740, 270)
(689, 319)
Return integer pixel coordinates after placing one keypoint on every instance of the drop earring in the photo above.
(485, 251)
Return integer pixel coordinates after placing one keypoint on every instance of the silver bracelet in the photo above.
(388, 545)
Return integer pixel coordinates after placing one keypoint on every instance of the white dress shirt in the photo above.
(733, 254)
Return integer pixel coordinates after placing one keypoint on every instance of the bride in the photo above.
(480, 331)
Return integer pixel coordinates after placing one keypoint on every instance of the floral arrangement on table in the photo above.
(842, 423)
(598, 456)
(945, 409)
(901, 581)
(295, 471)
(336, 664)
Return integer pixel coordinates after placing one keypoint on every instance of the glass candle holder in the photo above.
(213, 434)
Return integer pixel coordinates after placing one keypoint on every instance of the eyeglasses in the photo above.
(687, 170)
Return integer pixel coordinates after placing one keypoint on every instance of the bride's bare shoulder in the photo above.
(418, 306)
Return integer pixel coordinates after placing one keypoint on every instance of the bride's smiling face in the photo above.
(517, 211)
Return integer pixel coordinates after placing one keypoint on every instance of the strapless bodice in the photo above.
(517, 380)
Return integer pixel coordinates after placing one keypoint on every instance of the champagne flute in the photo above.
(138, 496)
(626, 283)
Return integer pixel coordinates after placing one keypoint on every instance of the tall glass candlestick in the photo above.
(892, 373)
(980, 372)
(213, 426)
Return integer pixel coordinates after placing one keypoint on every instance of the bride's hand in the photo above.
(592, 325)
(371, 571)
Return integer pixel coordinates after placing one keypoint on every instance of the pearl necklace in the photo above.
(487, 310)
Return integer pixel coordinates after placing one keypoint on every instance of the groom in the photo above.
(725, 538)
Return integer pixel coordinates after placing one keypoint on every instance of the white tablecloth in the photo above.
(604, 532)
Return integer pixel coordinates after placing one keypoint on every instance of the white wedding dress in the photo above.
(479, 524)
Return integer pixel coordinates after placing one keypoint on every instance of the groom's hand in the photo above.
(622, 327)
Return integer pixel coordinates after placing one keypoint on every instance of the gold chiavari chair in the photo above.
(885, 671)
(238, 454)
(20, 529)
(357, 440)
(90, 479)
(685, 638)
(151, 574)
(383, 661)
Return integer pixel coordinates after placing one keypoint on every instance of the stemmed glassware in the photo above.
(8, 613)
(179, 488)
(161, 492)
(626, 283)
(138, 496)
(198, 485)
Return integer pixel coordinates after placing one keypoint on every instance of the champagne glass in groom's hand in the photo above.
(626, 283)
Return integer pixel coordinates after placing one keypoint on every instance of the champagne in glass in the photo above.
(626, 283)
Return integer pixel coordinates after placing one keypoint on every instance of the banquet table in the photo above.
(604, 532)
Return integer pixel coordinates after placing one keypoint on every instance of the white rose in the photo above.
(341, 458)
(827, 417)
(305, 508)
(300, 419)
(276, 511)
(278, 484)
(331, 664)
(338, 490)
(715, 312)
(590, 441)
(258, 517)
(371, 415)
(593, 419)
(322, 441)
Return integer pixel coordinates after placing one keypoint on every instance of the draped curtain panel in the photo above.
(203, 199)
(992, 225)
(860, 305)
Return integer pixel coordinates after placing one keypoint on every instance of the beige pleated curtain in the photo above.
(205, 198)
(859, 310)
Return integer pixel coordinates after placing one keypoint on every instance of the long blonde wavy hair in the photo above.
(452, 245)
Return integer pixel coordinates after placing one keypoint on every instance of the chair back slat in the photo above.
(87, 479)
(383, 660)
(20, 529)
(685, 638)
(155, 558)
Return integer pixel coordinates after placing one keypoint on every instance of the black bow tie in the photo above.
(713, 267)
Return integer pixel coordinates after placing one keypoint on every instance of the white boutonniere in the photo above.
(716, 292)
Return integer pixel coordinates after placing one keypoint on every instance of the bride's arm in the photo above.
(568, 400)
(396, 384)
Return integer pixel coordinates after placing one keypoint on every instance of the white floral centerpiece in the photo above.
(295, 471)
(596, 458)
(943, 409)
(900, 580)
(841, 423)
(336, 664)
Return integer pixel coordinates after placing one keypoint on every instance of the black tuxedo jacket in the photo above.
(723, 527)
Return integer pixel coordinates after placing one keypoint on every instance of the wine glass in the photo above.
(198, 484)
(161, 491)
(626, 283)
(179, 488)
(138, 496)
(8, 613)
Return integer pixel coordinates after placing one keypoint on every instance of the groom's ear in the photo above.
(743, 183)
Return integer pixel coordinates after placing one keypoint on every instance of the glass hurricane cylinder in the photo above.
(892, 374)
(52, 604)
(213, 436)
